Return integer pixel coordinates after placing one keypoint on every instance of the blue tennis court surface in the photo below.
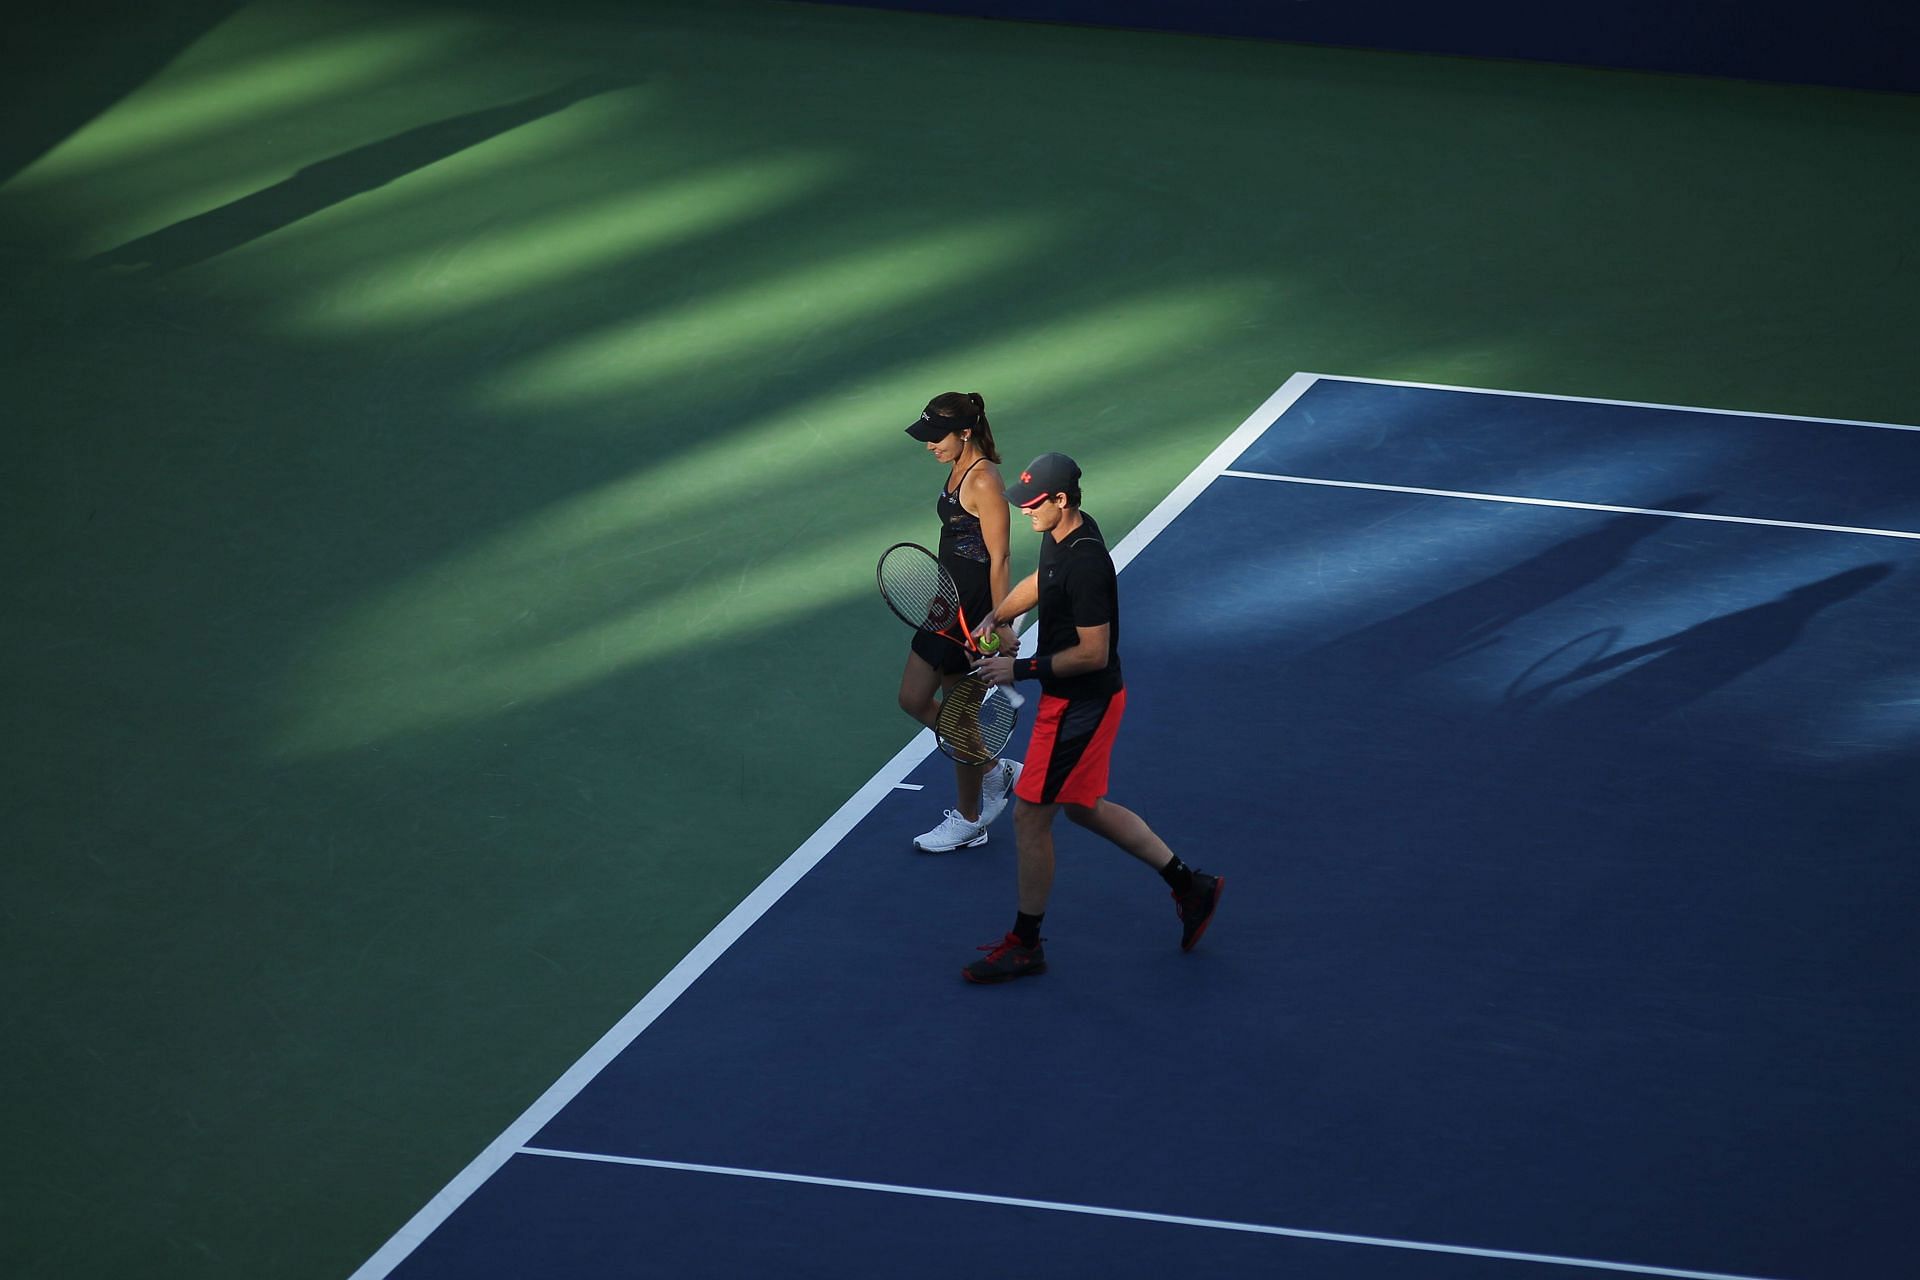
(1560, 758)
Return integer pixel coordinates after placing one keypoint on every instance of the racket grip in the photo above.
(989, 646)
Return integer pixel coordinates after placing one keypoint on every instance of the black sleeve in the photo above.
(1091, 589)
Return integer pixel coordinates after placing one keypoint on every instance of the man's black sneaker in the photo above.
(1006, 960)
(1196, 907)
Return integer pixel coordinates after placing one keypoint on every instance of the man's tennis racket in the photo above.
(976, 718)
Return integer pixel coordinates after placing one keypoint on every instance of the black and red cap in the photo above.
(931, 428)
(1046, 475)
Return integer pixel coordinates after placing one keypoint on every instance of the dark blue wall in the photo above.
(1862, 44)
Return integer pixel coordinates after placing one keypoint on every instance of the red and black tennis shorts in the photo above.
(1072, 742)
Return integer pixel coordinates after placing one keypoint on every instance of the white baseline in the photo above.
(1169, 1219)
(1625, 404)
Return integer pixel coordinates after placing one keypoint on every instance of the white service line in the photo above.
(1211, 468)
(1170, 1219)
(1560, 502)
(1624, 404)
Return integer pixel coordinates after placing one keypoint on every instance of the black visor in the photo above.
(931, 428)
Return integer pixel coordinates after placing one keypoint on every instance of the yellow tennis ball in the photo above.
(990, 642)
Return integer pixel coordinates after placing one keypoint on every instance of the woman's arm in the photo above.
(986, 497)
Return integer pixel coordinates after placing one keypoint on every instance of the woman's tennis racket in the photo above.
(918, 588)
(1571, 662)
(976, 719)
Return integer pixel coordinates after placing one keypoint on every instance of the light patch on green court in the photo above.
(494, 266)
(841, 429)
(740, 323)
(178, 108)
(364, 697)
(631, 573)
(367, 698)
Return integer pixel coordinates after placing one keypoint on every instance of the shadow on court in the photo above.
(1689, 664)
(1461, 622)
(334, 181)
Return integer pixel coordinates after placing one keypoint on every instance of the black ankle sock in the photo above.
(1027, 928)
(1178, 875)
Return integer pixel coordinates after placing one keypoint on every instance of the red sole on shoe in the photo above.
(1219, 891)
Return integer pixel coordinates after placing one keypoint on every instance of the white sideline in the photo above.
(784, 877)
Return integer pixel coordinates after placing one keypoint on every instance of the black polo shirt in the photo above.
(1078, 588)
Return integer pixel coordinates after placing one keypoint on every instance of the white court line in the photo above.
(784, 877)
(1624, 404)
(1170, 1219)
(908, 786)
(1211, 467)
(1560, 502)
(678, 979)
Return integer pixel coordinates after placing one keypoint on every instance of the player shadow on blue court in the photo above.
(1689, 664)
(1461, 622)
(337, 179)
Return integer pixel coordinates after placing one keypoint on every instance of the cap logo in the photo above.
(1026, 477)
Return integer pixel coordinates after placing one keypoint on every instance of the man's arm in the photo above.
(1089, 653)
(1024, 596)
(1090, 589)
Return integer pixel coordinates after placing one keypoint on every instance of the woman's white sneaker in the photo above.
(955, 832)
(996, 789)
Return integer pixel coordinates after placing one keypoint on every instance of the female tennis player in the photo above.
(1082, 698)
(973, 547)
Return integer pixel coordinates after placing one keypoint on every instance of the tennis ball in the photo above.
(990, 642)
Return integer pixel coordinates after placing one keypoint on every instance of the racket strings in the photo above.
(975, 722)
(919, 589)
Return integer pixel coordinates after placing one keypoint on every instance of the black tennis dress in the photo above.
(963, 553)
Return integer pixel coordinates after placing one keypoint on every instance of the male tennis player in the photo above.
(1082, 699)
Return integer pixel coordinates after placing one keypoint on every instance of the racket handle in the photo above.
(989, 646)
